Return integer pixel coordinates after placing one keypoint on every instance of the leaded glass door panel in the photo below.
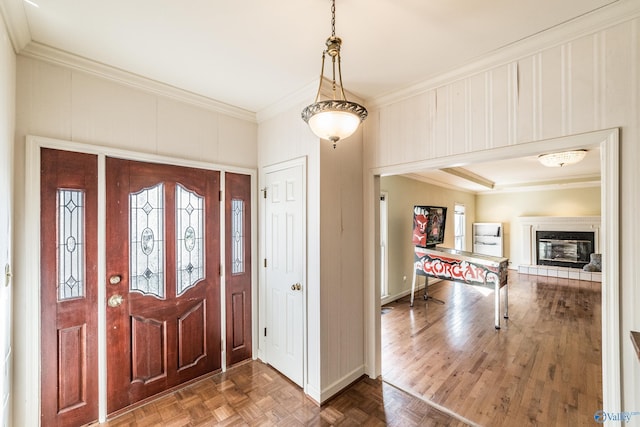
(238, 267)
(68, 250)
(163, 314)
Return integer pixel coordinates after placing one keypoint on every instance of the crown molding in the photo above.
(589, 23)
(55, 56)
(295, 99)
(15, 20)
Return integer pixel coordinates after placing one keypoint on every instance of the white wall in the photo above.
(341, 282)
(580, 77)
(508, 207)
(61, 102)
(334, 246)
(404, 193)
(7, 118)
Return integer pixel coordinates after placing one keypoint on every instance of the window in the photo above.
(458, 218)
(384, 277)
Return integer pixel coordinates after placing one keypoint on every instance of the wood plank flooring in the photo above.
(543, 367)
(254, 394)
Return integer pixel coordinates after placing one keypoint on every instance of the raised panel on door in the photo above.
(238, 267)
(163, 288)
(68, 248)
(285, 249)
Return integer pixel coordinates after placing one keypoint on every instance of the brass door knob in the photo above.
(296, 287)
(115, 300)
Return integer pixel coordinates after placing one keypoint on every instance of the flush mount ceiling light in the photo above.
(556, 160)
(333, 119)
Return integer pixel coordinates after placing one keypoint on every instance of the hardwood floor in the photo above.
(254, 394)
(543, 367)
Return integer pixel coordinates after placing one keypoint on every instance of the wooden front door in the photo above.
(163, 261)
(68, 283)
(238, 266)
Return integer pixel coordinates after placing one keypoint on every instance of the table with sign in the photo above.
(466, 267)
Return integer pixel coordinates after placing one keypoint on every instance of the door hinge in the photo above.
(265, 332)
(264, 192)
(220, 270)
(265, 263)
(220, 195)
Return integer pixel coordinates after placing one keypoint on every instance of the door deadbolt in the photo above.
(115, 279)
(115, 300)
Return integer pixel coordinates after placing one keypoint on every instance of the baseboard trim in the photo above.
(391, 298)
(341, 384)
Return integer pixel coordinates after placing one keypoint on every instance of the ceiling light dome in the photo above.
(555, 160)
(336, 118)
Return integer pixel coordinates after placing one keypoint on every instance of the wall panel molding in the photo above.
(588, 24)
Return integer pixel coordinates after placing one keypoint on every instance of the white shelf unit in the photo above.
(487, 238)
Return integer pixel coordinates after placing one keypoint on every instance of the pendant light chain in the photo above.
(333, 18)
(335, 118)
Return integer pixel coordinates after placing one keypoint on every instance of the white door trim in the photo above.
(27, 354)
(262, 354)
(608, 142)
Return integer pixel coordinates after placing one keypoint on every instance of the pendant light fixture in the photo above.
(333, 119)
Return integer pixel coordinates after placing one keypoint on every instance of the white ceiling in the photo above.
(518, 174)
(253, 53)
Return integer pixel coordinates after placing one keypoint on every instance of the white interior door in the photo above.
(285, 285)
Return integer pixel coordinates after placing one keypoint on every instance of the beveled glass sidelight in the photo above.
(146, 241)
(70, 244)
(237, 236)
(189, 239)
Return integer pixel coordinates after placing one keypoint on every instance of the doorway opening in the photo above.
(607, 142)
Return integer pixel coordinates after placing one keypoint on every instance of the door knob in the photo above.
(115, 300)
(296, 287)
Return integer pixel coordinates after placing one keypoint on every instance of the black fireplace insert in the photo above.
(564, 248)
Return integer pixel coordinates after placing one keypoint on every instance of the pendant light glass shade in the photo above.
(336, 118)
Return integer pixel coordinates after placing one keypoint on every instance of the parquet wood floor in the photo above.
(543, 367)
(254, 394)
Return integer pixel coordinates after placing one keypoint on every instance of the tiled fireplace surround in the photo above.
(529, 226)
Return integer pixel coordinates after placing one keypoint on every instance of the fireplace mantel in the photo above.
(531, 224)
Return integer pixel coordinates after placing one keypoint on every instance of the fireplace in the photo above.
(564, 248)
